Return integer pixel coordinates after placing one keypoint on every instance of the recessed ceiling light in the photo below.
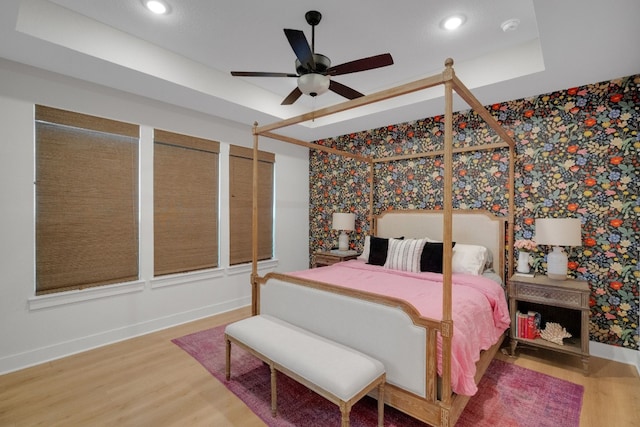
(453, 22)
(156, 6)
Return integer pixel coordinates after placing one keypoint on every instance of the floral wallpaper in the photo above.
(577, 156)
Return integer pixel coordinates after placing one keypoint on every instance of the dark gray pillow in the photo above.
(431, 258)
(378, 248)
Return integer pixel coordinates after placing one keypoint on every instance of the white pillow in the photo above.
(405, 255)
(469, 259)
(364, 256)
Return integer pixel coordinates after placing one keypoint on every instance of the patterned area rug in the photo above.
(508, 396)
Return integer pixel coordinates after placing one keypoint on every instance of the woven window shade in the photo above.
(86, 201)
(185, 203)
(240, 204)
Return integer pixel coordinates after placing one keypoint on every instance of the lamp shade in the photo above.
(558, 232)
(343, 221)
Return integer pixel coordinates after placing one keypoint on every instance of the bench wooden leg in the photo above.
(274, 388)
(227, 359)
(345, 410)
(381, 404)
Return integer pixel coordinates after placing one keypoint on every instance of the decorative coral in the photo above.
(555, 333)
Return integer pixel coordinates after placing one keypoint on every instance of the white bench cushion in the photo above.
(337, 369)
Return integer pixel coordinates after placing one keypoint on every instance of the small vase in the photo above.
(523, 262)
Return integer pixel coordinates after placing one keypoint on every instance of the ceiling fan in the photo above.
(314, 70)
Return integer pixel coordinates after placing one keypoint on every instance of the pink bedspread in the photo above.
(480, 312)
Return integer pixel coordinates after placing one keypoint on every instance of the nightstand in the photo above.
(322, 259)
(565, 302)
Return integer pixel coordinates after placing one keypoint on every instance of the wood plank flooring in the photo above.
(149, 381)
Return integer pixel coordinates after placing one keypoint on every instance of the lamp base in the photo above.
(343, 241)
(557, 264)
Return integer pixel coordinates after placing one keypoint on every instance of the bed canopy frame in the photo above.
(451, 83)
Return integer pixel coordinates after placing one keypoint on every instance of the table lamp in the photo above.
(558, 232)
(343, 222)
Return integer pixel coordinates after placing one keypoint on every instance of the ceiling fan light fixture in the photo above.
(313, 84)
(314, 70)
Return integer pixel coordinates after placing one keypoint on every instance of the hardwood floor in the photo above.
(149, 381)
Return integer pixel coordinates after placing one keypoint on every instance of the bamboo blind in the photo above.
(185, 203)
(86, 201)
(240, 204)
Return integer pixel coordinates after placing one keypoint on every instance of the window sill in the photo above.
(269, 264)
(71, 297)
(182, 278)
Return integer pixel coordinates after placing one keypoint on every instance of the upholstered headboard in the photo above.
(474, 227)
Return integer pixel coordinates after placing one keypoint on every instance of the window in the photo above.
(241, 208)
(86, 201)
(185, 203)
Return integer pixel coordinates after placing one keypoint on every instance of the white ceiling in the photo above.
(185, 58)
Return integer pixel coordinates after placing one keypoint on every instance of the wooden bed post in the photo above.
(466, 94)
(371, 225)
(447, 322)
(254, 226)
(512, 210)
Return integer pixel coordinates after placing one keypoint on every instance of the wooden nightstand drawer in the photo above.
(321, 259)
(545, 294)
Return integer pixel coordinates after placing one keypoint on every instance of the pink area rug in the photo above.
(508, 396)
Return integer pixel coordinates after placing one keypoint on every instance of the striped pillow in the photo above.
(405, 254)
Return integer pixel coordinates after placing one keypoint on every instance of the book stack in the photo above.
(527, 324)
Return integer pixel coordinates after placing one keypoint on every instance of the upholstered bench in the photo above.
(336, 372)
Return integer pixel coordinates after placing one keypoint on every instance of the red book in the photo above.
(522, 325)
(537, 320)
(531, 328)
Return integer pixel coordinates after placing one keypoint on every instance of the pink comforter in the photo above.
(480, 312)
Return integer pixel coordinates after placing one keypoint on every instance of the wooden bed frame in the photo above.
(444, 409)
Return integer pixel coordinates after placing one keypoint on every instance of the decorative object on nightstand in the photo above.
(524, 246)
(555, 333)
(322, 259)
(343, 222)
(561, 302)
(558, 232)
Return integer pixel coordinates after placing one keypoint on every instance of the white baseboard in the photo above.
(37, 356)
(618, 354)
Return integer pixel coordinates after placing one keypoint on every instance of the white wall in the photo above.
(37, 329)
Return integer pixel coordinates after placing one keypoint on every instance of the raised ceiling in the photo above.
(185, 57)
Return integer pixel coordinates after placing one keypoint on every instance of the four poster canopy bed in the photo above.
(435, 331)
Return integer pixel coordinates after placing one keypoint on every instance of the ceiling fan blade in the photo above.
(362, 64)
(343, 90)
(292, 97)
(300, 46)
(260, 74)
